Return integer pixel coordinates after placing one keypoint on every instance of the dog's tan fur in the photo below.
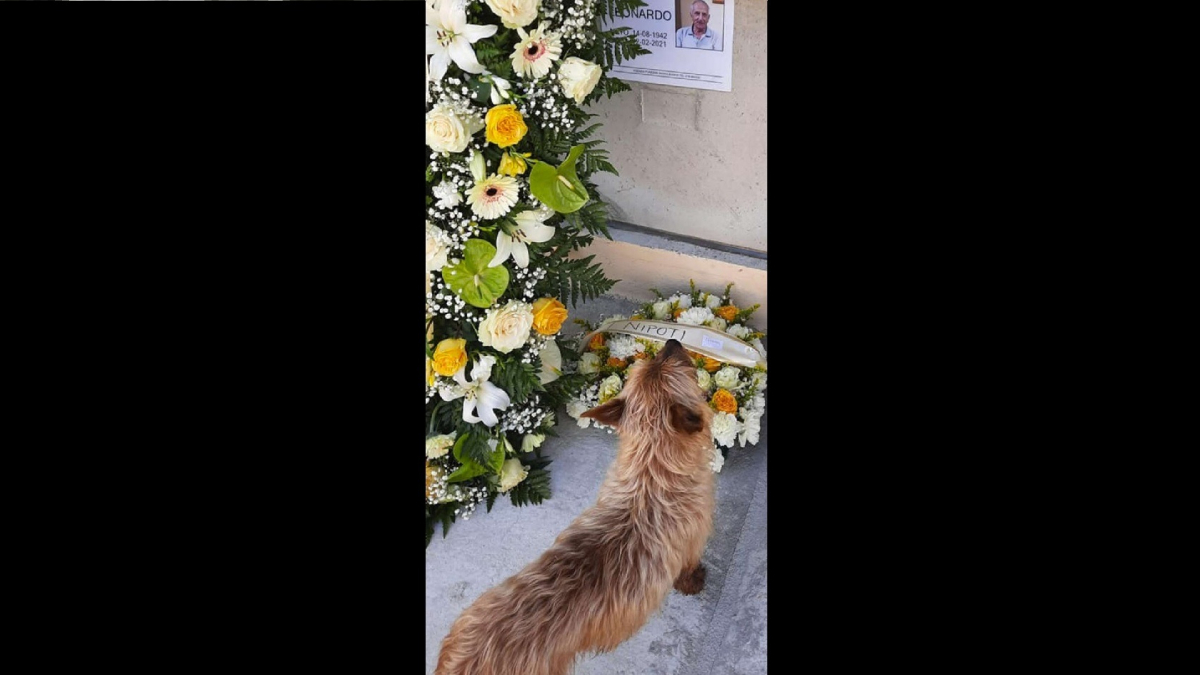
(614, 565)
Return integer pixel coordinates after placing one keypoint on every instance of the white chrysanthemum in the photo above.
(624, 347)
(682, 301)
(493, 196)
(725, 428)
(757, 344)
(718, 460)
(438, 446)
(532, 442)
(610, 387)
(750, 427)
(727, 378)
(759, 380)
(575, 408)
(738, 331)
(703, 379)
(512, 473)
(712, 301)
(589, 363)
(717, 322)
(437, 245)
(447, 195)
(535, 53)
(695, 316)
(662, 309)
(757, 402)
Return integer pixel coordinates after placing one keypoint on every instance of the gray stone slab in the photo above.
(721, 630)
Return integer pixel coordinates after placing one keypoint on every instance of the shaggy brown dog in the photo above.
(612, 567)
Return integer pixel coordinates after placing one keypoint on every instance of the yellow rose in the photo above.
(725, 401)
(429, 371)
(513, 163)
(450, 356)
(505, 126)
(548, 316)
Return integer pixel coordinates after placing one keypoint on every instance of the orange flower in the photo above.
(711, 365)
(678, 312)
(725, 401)
(615, 362)
(728, 312)
(548, 316)
(597, 341)
(638, 356)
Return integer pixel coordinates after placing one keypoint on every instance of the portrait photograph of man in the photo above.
(698, 24)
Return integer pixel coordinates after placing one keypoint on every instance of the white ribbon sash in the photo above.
(710, 342)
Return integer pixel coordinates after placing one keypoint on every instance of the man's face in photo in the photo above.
(700, 17)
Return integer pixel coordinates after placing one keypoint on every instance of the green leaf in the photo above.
(481, 91)
(560, 188)
(472, 279)
(476, 456)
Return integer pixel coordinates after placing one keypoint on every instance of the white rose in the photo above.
(662, 309)
(445, 131)
(703, 379)
(437, 446)
(436, 247)
(726, 378)
(515, 13)
(551, 357)
(589, 363)
(750, 427)
(695, 316)
(532, 442)
(725, 428)
(718, 460)
(511, 473)
(575, 408)
(716, 322)
(610, 387)
(578, 77)
(507, 328)
(712, 301)
(738, 331)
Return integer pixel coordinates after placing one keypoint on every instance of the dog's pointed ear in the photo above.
(685, 419)
(607, 413)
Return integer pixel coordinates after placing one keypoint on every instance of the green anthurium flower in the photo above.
(472, 279)
(559, 188)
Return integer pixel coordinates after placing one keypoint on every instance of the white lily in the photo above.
(481, 395)
(448, 37)
(529, 229)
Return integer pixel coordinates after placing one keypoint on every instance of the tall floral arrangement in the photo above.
(736, 394)
(508, 197)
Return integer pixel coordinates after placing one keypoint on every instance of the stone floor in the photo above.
(720, 631)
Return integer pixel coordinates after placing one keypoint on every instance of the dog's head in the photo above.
(660, 395)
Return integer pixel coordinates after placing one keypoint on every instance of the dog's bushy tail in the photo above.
(590, 591)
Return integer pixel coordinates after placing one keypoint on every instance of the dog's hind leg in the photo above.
(691, 580)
